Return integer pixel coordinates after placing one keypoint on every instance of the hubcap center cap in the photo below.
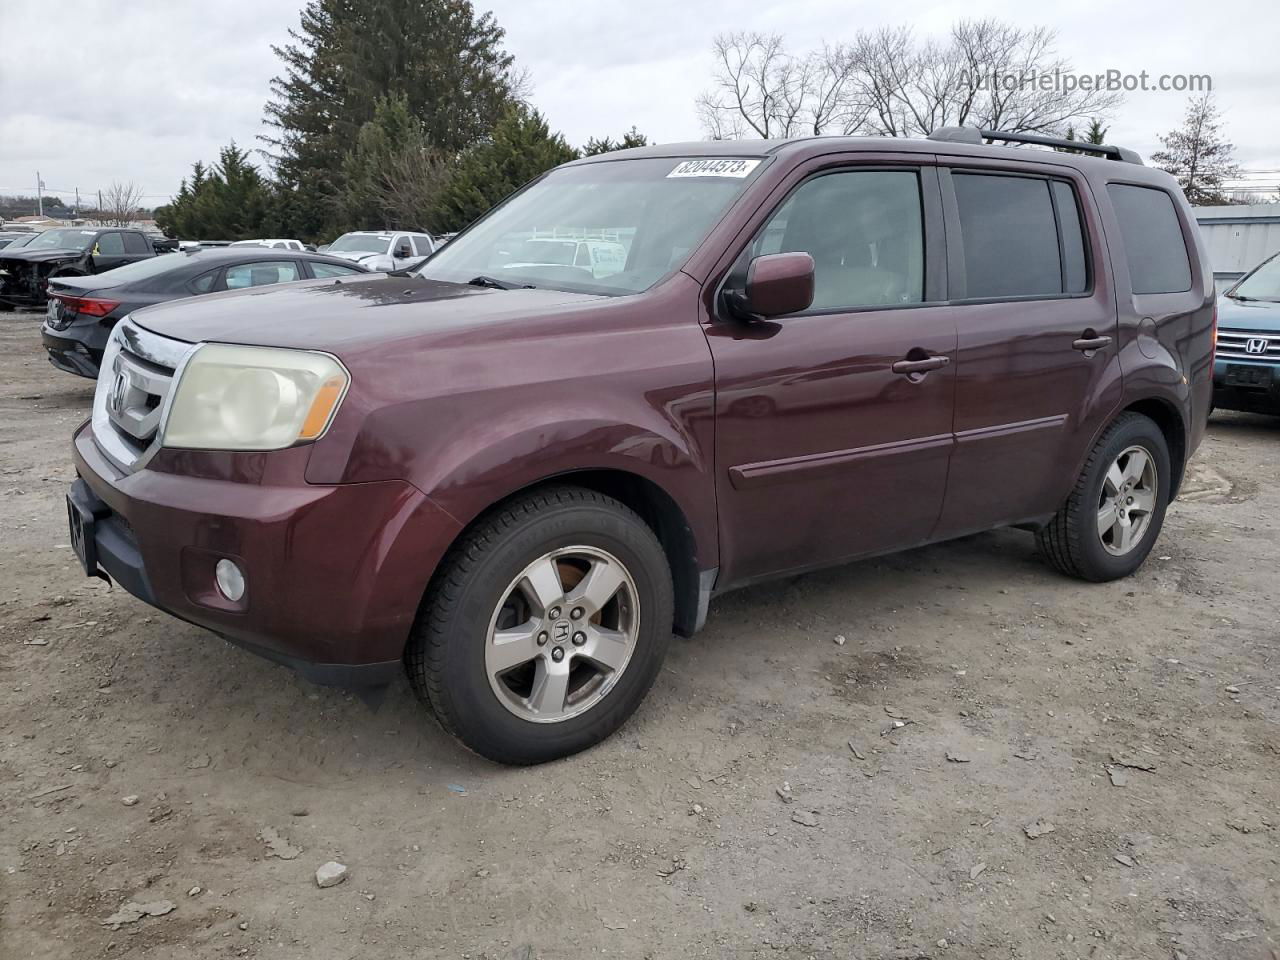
(560, 631)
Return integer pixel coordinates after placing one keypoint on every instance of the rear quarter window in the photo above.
(1152, 238)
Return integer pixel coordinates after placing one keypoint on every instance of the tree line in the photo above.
(411, 114)
(388, 114)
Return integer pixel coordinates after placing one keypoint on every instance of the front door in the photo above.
(833, 426)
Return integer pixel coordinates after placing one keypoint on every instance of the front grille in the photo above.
(134, 381)
(1238, 344)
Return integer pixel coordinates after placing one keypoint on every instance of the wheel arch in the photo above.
(1167, 417)
(661, 513)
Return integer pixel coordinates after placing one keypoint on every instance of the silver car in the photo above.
(382, 250)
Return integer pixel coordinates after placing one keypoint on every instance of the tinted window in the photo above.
(422, 246)
(109, 245)
(865, 232)
(1075, 274)
(260, 274)
(320, 270)
(1153, 244)
(134, 243)
(204, 282)
(402, 248)
(1010, 236)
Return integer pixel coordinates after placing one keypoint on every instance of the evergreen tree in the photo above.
(1096, 133)
(1198, 155)
(522, 147)
(229, 201)
(632, 138)
(392, 175)
(447, 62)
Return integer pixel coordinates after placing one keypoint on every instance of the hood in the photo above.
(348, 316)
(1261, 315)
(41, 256)
(355, 256)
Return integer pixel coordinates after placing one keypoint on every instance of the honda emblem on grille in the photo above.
(118, 390)
(1256, 345)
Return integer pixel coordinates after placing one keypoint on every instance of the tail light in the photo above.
(87, 306)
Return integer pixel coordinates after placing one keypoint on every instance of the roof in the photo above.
(254, 253)
(803, 147)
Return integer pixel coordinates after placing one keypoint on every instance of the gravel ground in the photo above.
(764, 802)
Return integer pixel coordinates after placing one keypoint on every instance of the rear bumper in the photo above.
(334, 573)
(76, 350)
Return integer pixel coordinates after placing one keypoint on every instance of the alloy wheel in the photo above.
(562, 634)
(1127, 501)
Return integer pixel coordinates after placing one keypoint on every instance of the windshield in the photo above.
(361, 243)
(1262, 284)
(613, 227)
(60, 239)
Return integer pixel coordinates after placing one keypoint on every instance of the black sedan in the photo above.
(82, 310)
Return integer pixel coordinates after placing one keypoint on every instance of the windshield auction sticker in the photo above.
(726, 167)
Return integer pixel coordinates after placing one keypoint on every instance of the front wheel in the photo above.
(1111, 520)
(544, 627)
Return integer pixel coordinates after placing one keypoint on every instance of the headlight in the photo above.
(253, 398)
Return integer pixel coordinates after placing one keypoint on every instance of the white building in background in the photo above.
(1238, 237)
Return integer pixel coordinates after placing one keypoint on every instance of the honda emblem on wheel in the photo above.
(1256, 345)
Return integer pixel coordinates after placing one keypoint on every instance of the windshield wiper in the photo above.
(486, 281)
(1241, 297)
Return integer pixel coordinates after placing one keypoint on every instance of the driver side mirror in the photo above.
(777, 284)
(403, 251)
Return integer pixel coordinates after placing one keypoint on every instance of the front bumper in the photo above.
(334, 573)
(1231, 392)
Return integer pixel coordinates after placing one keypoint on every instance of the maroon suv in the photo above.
(645, 379)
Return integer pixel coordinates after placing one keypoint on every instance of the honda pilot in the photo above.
(514, 478)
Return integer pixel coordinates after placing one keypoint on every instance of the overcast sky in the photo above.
(139, 90)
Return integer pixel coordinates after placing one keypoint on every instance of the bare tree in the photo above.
(121, 203)
(986, 74)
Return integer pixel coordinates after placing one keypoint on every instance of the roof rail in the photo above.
(974, 135)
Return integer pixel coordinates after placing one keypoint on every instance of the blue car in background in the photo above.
(1246, 373)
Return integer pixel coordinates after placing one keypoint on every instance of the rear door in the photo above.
(1037, 367)
(829, 445)
(136, 248)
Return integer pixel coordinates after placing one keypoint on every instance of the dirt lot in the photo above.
(1140, 719)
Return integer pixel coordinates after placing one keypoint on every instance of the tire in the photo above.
(486, 590)
(1074, 541)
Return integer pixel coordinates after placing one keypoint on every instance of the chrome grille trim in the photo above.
(138, 370)
(1232, 343)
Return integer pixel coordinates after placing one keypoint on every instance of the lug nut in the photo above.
(577, 613)
(554, 613)
(542, 639)
(557, 654)
(579, 638)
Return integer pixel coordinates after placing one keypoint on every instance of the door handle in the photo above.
(1090, 341)
(909, 367)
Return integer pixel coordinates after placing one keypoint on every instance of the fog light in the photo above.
(230, 580)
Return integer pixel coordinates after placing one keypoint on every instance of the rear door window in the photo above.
(1010, 236)
(321, 270)
(1153, 243)
(135, 244)
(260, 273)
(421, 245)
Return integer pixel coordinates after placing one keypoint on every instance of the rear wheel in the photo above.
(1111, 520)
(545, 626)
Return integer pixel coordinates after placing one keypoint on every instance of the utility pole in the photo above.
(77, 203)
(99, 206)
(39, 195)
